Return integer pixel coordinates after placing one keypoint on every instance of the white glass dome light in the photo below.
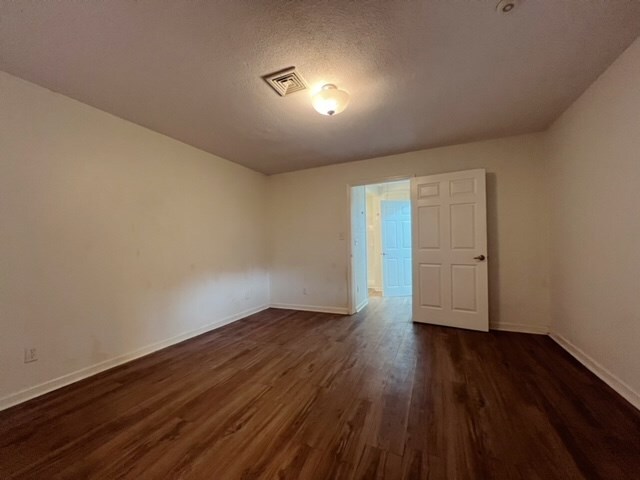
(330, 100)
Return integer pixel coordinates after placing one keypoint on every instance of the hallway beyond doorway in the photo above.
(388, 214)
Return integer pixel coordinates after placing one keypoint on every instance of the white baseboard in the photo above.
(520, 328)
(50, 385)
(362, 304)
(600, 371)
(312, 308)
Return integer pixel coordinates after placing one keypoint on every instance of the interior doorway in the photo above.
(427, 239)
(381, 257)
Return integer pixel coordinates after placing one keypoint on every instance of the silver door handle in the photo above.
(480, 257)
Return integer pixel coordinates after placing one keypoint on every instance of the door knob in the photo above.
(480, 257)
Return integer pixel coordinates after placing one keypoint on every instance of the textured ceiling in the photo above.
(420, 73)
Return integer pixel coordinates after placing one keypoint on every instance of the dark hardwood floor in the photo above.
(298, 395)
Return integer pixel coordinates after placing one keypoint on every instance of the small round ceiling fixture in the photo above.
(506, 6)
(330, 100)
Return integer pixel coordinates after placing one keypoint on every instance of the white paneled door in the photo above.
(396, 247)
(450, 285)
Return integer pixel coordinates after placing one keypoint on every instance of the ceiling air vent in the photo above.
(286, 81)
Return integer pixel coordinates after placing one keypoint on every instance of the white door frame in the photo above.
(351, 303)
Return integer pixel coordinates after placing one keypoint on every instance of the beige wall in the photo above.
(309, 225)
(115, 240)
(595, 225)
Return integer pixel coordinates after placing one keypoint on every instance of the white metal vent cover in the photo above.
(285, 82)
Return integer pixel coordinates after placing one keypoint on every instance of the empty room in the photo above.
(321, 240)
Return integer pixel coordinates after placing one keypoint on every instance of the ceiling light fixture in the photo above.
(330, 100)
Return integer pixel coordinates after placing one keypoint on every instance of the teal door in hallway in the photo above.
(396, 247)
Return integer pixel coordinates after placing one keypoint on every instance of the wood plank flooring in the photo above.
(297, 395)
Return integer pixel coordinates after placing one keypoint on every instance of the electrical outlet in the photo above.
(30, 355)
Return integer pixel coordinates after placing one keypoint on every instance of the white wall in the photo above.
(309, 214)
(595, 225)
(113, 238)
